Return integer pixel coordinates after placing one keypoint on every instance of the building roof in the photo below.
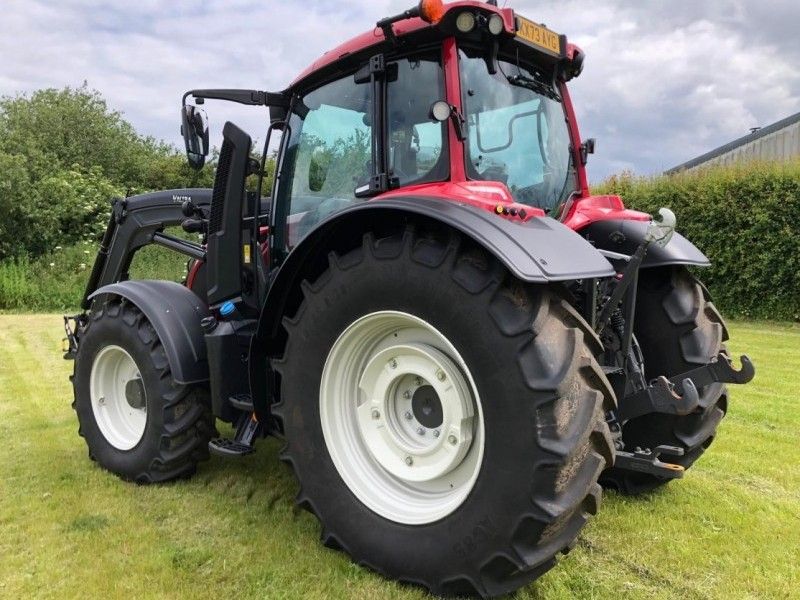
(751, 137)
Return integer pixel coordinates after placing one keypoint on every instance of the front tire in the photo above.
(419, 310)
(137, 422)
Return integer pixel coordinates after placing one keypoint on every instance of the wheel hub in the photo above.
(390, 382)
(426, 407)
(134, 393)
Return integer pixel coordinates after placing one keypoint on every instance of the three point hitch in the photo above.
(678, 395)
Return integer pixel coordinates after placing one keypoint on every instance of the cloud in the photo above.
(664, 81)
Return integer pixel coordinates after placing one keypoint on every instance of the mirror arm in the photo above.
(246, 97)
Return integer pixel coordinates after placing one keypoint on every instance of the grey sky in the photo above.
(664, 81)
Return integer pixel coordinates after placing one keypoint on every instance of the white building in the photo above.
(777, 142)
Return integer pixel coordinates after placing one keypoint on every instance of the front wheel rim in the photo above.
(118, 399)
(401, 417)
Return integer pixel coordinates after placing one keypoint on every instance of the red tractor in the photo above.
(456, 341)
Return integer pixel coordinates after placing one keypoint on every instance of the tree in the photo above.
(63, 155)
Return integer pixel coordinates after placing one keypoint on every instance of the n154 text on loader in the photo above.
(456, 340)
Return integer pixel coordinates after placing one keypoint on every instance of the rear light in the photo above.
(431, 11)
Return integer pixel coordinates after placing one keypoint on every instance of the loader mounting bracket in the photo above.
(72, 326)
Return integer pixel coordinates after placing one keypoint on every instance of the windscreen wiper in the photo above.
(534, 85)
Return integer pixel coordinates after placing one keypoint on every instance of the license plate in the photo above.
(539, 36)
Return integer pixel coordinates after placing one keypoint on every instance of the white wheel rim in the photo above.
(116, 411)
(402, 418)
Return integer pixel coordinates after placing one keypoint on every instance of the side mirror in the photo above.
(194, 129)
(587, 148)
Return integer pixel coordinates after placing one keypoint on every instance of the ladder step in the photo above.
(229, 448)
(242, 402)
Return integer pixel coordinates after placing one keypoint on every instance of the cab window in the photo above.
(328, 153)
(416, 142)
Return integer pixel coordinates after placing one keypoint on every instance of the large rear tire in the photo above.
(137, 422)
(678, 328)
(507, 367)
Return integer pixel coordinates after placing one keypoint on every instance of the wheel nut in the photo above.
(409, 461)
(436, 433)
(101, 401)
(376, 415)
(440, 375)
(418, 381)
(420, 431)
(408, 415)
(406, 394)
(393, 363)
(453, 440)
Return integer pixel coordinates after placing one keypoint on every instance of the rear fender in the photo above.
(539, 250)
(624, 236)
(175, 313)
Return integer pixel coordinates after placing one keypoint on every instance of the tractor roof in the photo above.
(375, 36)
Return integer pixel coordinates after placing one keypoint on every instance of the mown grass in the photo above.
(730, 529)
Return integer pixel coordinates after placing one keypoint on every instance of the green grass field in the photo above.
(730, 529)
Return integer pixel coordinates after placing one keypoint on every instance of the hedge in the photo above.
(746, 218)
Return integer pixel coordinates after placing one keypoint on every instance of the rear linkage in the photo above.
(662, 396)
(677, 395)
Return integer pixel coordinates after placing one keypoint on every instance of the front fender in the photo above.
(625, 236)
(175, 313)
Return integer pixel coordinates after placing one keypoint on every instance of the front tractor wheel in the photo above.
(445, 422)
(137, 422)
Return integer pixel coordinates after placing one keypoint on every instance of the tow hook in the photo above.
(649, 461)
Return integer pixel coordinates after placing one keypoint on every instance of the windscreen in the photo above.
(517, 131)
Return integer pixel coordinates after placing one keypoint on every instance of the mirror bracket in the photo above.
(453, 114)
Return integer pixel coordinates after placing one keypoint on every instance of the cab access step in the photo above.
(248, 429)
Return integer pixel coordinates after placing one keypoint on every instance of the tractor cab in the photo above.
(465, 102)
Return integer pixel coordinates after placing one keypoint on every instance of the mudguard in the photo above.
(175, 313)
(625, 236)
(539, 250)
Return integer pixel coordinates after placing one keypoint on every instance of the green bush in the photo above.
(746, 218)
(63, 155)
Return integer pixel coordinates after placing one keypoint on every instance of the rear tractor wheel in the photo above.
(137, 422)
(678, 328)
(445, 421)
